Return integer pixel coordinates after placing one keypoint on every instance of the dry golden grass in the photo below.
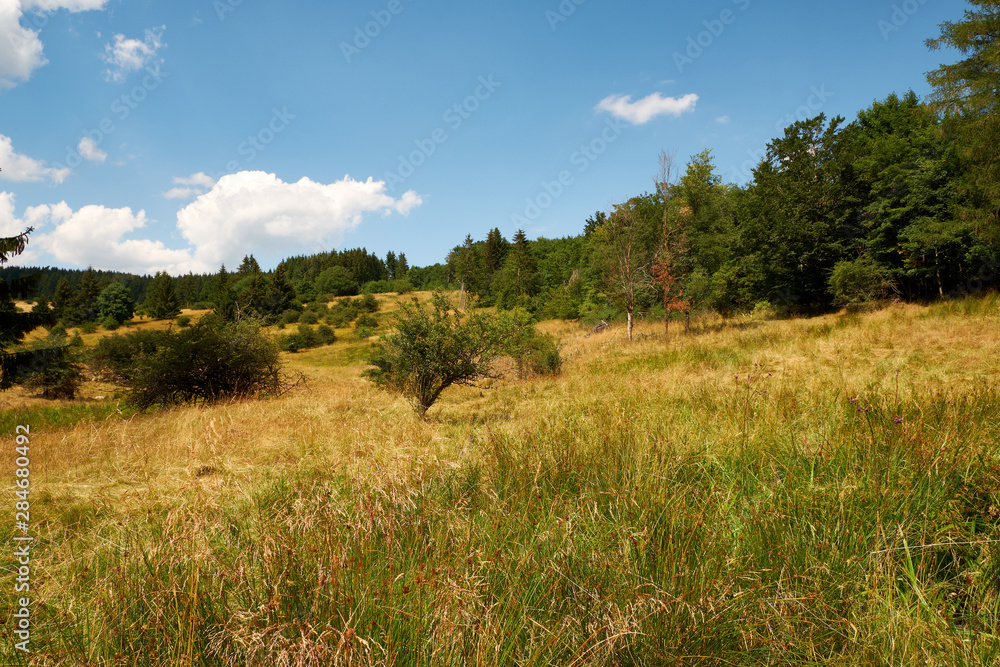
(588, 450)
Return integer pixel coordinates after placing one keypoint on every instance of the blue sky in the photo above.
(146, 135)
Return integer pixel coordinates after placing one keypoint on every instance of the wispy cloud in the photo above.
(190, 186)
(642, 111)
(131, 55)
(89, 150)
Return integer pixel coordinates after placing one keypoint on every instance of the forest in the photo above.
(899, 203)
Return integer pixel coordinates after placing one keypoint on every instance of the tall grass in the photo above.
(790, 493)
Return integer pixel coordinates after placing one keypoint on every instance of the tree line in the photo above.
(900, 202)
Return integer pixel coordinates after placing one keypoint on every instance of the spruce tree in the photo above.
(966, 93)
(84, 305)
(62, 300)
(15, 325)
(225, 299)
(249, 266)
(280, 293)
(161, 300)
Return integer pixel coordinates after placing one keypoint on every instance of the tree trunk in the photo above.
(630, 324)
(938, 267)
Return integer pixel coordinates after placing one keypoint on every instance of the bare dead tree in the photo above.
(673, 242)
(626, 258)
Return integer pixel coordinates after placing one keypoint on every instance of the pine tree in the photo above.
(14, 325)
(280, 294)
(524, 265)
(161, 300)
(390, 264)
(225, 299)
(402, 267)
(249, 266)
(84, 305)
(966, 93)
(62, 300)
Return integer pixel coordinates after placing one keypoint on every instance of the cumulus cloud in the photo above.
(94, 235)
(131, 55)
(252, 210)
(89, 150)
(21, 168)
(190, 186)
(11, 225)
(642, 111)
(21, 49)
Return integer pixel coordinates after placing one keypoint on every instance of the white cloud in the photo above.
(71, 5)
(11, 225)
(131, 55)
(191, 186)
(94, 235)
(642, 111)
(89, 150)
(251, 210)
(182, 193)
(201, 178)
(20, 48)
(723, 120)
(21, 168)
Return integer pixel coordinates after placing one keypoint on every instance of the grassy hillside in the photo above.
(813, 491)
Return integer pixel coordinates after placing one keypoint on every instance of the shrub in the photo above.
(206, 362)
(202, 305)
(308, 317)
(338, 281)
(402, 286)
(431, 351)
(859, 281)
(342, 313)
(377, 287)
(110, 323)
(292, 343)
(57, 333)
(308, 335)
(368, 303)
(56, 372)
(326, 334)
(184, 321)
(290, 316)
(89, 327)
(536, 353)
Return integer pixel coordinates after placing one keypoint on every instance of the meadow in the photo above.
(804, 491)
